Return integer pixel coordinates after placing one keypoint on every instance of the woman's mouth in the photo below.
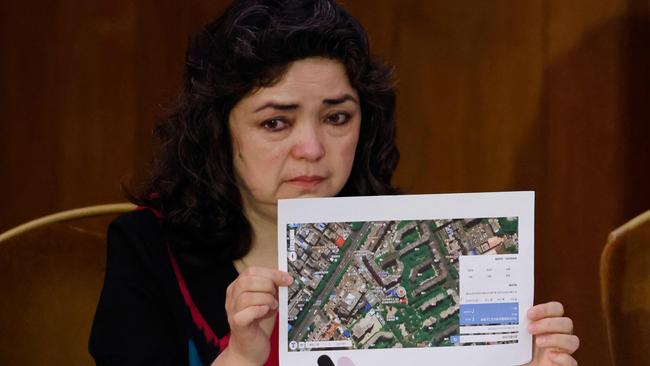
(306, 181)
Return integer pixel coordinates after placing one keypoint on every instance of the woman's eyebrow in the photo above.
(293, 106)
(279, 106)
(339, 100)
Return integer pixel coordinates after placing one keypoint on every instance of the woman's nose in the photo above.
(308, 144)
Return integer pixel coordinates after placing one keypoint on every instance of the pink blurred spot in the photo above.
(344, 361)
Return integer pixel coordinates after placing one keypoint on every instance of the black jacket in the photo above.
(142, 317)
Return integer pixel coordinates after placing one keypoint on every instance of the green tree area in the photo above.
(356, 226)
(393, 327)
(509, 225)
(428, 273)
(425, 297)
(384, 343)
(416, 334)
(412, 321)
(401, 224)
(411, 260)
(426, 334)
(364, 237)
(441, 245)
(453, 272)
(409, 238)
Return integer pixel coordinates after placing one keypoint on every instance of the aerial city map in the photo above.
(384, 284)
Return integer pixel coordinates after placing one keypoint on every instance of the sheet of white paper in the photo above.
(442, 279)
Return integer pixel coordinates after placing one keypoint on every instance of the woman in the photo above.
(281, 100)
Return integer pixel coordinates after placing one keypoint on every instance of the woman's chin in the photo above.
(306, 194)
(308, 191)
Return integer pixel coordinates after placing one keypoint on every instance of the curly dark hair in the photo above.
(251, 46)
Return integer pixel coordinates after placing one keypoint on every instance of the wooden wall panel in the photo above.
(27, 141)
(83, 84)
(581, 198)
(596, 150)
(97, 100)
(469, 85)
(635, 111)
(550, 95)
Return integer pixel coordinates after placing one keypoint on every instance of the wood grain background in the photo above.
(548, 95)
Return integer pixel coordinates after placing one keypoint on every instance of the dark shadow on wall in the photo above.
(635, 113)
(592, 172)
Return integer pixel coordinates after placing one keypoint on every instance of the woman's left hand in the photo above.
(553, 338)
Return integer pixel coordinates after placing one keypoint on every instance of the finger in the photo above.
(565, 342)
(246, 284)
(240, 298)
(248, 299)
(256, 279)
(280, 278)
(249, 283)
(229, 295)
(562, 359)
(548, 310)
(551, 325)
(247, 316)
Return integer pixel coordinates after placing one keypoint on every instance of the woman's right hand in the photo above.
(250, 299)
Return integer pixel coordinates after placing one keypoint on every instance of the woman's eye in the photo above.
(274, 124)
(338, 118)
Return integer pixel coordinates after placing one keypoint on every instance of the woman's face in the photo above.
(296, 138)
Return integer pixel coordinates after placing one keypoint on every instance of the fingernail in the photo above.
(532, 328)
(274, 305)
(540, 340)
(288, 278)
